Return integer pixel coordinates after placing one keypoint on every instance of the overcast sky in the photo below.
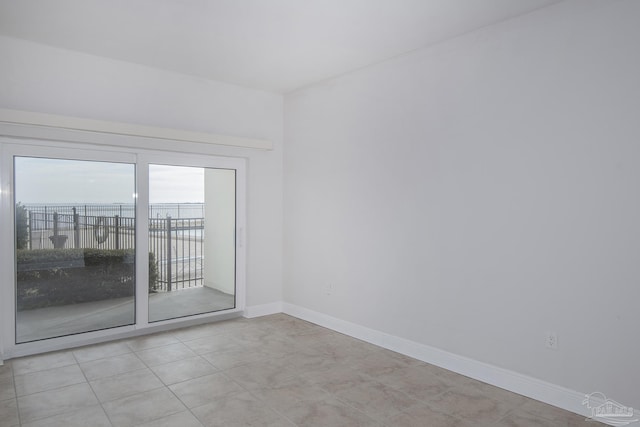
(73, 181)
(175, 184)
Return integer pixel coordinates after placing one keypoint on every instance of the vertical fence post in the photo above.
(76, 229)
(117, 228)
(46, 219)
(169, 253)
(57, 239)
(55, 223)
(30, 226)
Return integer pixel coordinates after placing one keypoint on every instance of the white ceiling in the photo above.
(274, 45)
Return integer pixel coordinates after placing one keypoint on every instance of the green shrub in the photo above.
(22, 232)
(50, 277)
(153, 272)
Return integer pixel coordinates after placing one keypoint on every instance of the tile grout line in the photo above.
(112, 375)
(379, 418)
(15, 393)
(185, 405)
(225, 375)
(163, 383)
(92, 390)
(246, 390)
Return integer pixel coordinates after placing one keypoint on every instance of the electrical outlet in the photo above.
(328, 288)
(552, 341)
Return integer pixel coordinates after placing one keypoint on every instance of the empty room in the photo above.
(319, 213)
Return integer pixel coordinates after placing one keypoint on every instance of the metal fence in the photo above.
(156, 210)
(54, 230)
(178, 246)
(177, 243)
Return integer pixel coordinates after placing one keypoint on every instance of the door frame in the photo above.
(10, 147)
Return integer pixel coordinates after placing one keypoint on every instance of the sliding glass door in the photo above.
(192, 224)
(75, 246)
(105, 242)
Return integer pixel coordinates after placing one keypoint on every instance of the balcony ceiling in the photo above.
(274, 45)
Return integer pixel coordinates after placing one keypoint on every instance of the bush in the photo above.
(153, 272)
(22, 232)
(50, 277)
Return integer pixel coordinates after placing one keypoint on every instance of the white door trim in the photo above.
(10, 147)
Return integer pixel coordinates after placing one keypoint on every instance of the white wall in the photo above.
(39, 78)
(219, 267)
(474, 195)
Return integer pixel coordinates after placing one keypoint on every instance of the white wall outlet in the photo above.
(552, 341)
(328, 288)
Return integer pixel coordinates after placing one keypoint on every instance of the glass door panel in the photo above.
(192, 223)
(75, 246)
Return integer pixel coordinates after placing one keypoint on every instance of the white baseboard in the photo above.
(263, 309)
(534, 388)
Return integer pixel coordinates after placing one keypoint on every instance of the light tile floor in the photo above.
(271, 371)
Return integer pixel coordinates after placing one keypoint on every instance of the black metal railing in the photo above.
(178, 246)
(80, 231)
(177, 243)
(156, 210)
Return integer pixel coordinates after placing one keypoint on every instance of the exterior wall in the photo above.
(219, 230)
